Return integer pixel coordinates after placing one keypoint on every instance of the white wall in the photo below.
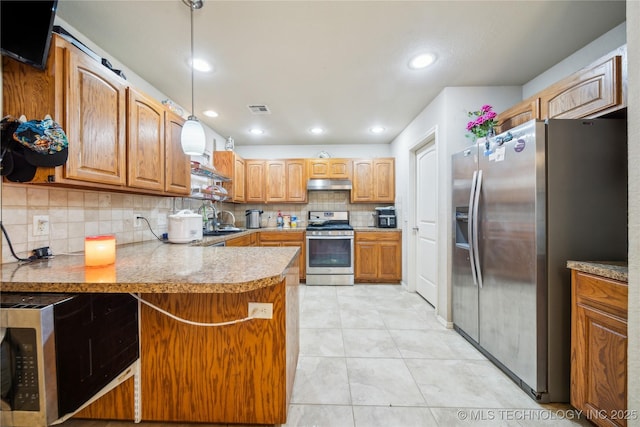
(633, 114)
(609, 41)
(446, 117)
(304, 151)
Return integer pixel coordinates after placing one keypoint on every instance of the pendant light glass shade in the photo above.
(192, 137)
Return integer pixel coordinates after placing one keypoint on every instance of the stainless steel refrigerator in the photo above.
(524, 204)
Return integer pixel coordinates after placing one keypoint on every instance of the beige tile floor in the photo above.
(375, 355)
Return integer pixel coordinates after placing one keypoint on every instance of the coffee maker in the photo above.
(385, 217)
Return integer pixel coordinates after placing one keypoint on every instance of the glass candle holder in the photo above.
(99, 250)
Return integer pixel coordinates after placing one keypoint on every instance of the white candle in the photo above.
(99, 250)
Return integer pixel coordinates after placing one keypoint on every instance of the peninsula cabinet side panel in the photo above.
(118, 404)
(225, 374)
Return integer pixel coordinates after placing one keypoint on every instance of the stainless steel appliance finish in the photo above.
(329, 184)
(329, 245)
(29, 360)
(385, 217)
(58, 351)
(254, 217)
(535, 197)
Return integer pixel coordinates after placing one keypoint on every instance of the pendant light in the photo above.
(192, 137)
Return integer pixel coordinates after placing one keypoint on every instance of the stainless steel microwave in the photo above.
(57, 351)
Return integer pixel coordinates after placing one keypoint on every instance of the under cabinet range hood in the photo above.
(329, 184)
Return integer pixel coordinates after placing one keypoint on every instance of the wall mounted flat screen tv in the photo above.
(25, 30)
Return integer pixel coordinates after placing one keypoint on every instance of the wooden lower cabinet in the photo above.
(378, 257)
(599, 348)
(235, 374)
(246, 240)
(287, 238)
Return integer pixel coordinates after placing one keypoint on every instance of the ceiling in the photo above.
(340, 65)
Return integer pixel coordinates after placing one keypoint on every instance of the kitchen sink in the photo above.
(222, 231)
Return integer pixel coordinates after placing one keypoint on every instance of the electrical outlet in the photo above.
(261, 310)
(162, 220)
(137, 222)
(41, 225)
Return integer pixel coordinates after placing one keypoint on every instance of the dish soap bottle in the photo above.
(279, 220)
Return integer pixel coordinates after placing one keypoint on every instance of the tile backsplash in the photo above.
(74, 214)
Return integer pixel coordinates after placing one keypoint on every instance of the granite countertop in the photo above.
(609, 269)
(156, 267)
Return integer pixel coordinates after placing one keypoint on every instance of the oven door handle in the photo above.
(329, 237)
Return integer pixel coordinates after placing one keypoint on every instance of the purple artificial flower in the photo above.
(485, 108)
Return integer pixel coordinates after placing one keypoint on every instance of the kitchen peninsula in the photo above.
(235, 373)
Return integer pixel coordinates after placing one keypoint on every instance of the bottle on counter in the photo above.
(279, 220)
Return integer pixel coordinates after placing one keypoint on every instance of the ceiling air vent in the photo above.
(259, 109)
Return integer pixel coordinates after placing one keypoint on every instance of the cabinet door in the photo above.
(390, 263)
(318, 168)
(178, 169)
(231, 165)
(276, 181)
(255, 176)
(238, 180)
(362, 190)
(366, 261)
(384, 184)
(329, 168)
(296, 180)
(586, 93)
(95, 122)
(518, 114)
(599, 347)
(146, 142)
(303, 264)
(340, 168)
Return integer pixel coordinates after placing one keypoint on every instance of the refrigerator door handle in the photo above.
(472, 196)
(476, 252)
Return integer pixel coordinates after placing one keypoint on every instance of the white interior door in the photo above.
(426, 223)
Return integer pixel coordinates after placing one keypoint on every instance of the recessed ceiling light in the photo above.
(256, 131)
(377, 129)
(210, 113)
(316, 131)
(201, 65)
(422, 61)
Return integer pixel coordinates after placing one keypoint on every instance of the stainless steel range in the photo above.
(329, 248)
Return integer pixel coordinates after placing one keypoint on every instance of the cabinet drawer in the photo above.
(282, 236)
(605, 294)
(377, 236)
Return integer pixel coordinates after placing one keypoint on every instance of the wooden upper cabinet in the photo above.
(86, 99)
(286, 181)
(296, 180)
(177, 164)
(329, 168)
(255, 181)
(276, 181)
(588, 93)
(518, 114)
(145, 142)
(373, 180)
(596, 90)
(95, 121)
(231, 165)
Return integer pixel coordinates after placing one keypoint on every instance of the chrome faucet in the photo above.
(209, 220)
